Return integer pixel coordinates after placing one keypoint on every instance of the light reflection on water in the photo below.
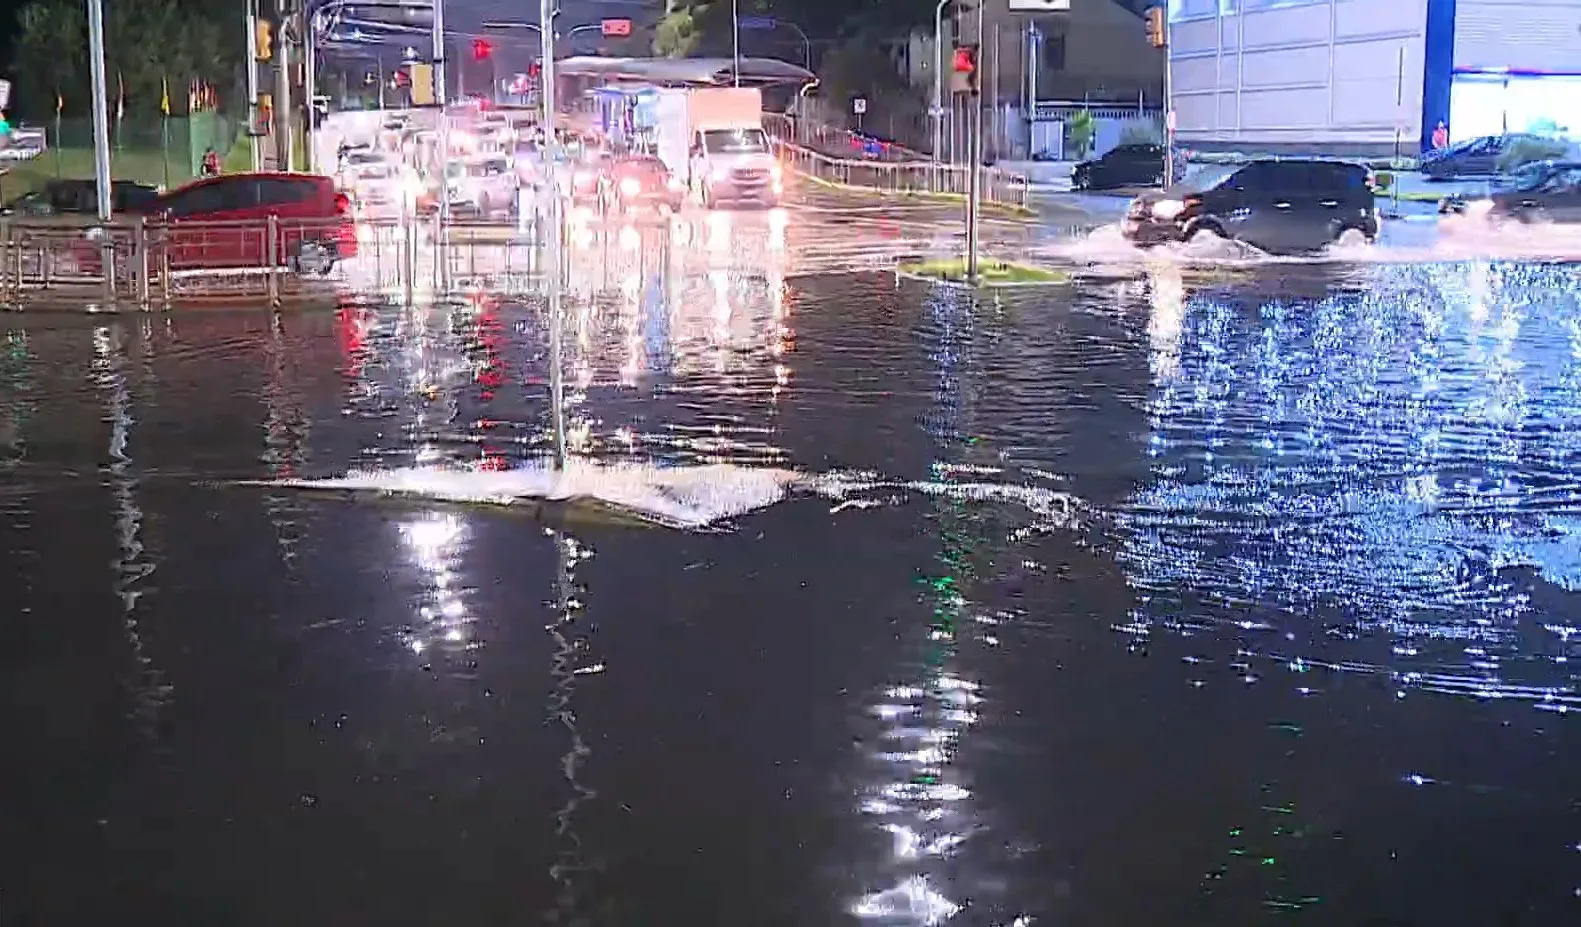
(1396, 462)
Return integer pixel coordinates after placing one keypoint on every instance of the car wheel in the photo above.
(1351, 238)
(1204, 233)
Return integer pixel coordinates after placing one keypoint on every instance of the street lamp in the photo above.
(938, 77)
(735, 42)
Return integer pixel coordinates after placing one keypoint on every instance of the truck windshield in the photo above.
(731, 141)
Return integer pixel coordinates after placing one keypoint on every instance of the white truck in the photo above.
(713, 138)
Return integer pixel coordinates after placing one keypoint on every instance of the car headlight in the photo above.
(775, 171)
(718, 173)
(630, 187)
(1168, 209)
(582, 179)
(1479, 207)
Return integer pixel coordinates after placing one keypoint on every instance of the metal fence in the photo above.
(892, 169)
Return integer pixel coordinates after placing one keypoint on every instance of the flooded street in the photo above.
(1176, 596)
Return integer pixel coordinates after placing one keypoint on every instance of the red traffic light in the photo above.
(482, 48)
(403, 79)
(965, 60)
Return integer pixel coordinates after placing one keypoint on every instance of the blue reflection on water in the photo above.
(1403, 460)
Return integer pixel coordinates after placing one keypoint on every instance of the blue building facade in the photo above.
(1365, 76)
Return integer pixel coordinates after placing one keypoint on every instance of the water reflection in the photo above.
(149, 693)
(17, 403)
(923, 799)
(286, 430)
(1396, 462)
(433, 543)
(577, 900)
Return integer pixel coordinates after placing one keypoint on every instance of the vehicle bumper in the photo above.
(1146, 232)
(767, 192)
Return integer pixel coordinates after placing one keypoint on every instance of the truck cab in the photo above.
(734, 165)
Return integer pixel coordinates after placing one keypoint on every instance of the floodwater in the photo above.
(1183, 598)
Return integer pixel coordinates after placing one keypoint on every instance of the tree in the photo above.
(147, 44)
(678, 33)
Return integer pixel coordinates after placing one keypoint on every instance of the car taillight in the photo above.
(342, 204)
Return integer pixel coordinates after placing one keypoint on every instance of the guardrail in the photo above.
(908, 178)
(898, 171)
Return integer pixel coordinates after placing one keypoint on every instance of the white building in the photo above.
(1350, 76)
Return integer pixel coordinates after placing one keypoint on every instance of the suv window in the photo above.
(1334, 177)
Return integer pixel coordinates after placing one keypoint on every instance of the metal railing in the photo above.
(906, 173)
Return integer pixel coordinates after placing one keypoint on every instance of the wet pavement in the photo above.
(1180, 596)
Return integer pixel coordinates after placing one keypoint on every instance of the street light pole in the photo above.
(938, 77)
(735, 41)
(310, 87)
(443, 100)
(101, 107)
(551, 233)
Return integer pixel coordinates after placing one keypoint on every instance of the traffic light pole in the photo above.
(1169, 111)
(101, 112)
(443, 100)
(974, 151)
(250, 20)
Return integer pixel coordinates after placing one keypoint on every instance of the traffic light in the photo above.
(482, 49)
(263, 37)
(965, 68)
(1157, 30)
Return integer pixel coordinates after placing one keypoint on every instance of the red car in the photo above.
(223, 223)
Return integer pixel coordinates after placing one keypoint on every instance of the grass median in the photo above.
(990, 272)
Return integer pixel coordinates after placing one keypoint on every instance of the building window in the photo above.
(1192, 9)
(1053, 52)
(1252, 6)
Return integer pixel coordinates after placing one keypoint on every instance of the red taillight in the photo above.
(342, 204)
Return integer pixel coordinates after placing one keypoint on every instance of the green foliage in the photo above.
(146, 44)
(679, 32)
(1526, 150)
(861, 69)
(1079, 131)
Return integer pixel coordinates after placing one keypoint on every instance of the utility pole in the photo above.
(938, 80)
(285, 115)
(444, 120)
(250, 22)
(101, 114)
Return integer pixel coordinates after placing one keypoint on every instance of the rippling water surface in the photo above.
(1179, 599)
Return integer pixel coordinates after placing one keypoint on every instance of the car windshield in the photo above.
(735, 140)
(1206, 177)
(377, 171)
(641, 167)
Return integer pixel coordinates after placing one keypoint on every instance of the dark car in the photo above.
(1475, 157)
(1524, 177)
(1543, 191)
(641, 183)
(1277, 206)
(1123, 166)
(80, 198)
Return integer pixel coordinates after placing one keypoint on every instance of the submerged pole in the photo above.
(553, 234)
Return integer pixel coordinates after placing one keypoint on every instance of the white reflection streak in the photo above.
(282, 421)
(432, 541)
(566, 665)
(1167, 319)
(149, 693)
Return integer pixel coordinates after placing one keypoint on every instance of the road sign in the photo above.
(616, 28)
(759, 22)
(859, 105)
(1040, 6)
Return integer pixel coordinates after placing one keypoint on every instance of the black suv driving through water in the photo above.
(1278, 206)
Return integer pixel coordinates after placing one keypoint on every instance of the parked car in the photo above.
(1520, 178)
(1121, 166)
(79, 198)
(1277, 206)
(223, 222)
(642, 183)
(1544, 191)
(1484, 156)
